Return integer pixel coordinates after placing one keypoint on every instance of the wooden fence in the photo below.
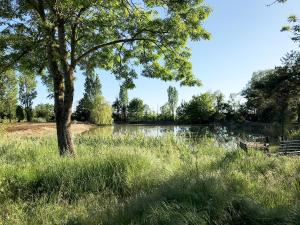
(291, 147)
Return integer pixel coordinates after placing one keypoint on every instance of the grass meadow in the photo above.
(139, 180)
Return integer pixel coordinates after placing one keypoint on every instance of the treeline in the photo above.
(204, 108)
(270, 96)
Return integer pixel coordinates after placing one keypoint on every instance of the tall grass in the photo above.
(133, 179)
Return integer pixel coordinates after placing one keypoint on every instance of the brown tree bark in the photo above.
(63, 83)
(65, 97)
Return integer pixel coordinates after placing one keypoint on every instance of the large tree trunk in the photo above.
(63, 111)
(63, 100)
(64, 136)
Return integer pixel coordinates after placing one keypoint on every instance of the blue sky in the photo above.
(246, 37)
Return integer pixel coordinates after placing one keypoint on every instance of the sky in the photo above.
(246, 38)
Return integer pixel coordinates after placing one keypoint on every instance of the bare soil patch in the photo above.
(40, 129)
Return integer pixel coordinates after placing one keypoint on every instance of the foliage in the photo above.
(133, 179)
(8, 94)
(123, 96)
(45, 111)
(27, 92)
(220, 106)
(273, 95)
(199, 110)
(293, 27)
(92, 89)
(172, 100)
(166, 112)
(136, 110)
(101, 113)
(151, 35)
(121, 105)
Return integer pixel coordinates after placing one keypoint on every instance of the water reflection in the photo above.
(227, 136)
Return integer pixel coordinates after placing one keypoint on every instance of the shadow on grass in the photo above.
(190, 199)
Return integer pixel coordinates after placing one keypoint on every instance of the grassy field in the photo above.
(136, 180)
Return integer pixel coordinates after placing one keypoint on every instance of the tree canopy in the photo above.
(128, 38)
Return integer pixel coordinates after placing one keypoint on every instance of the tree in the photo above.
(20, 113)
(61, 36)
(117, 110)
(45, 111)
(92, 89)
(136, 109)
(166, 112)
(199, 110)
(101, 113)
(123, 96)
(258, 103)
(120, 105)
(275, 91)
(219, 105)
(27, 92)
(8, 94)
(172, 100)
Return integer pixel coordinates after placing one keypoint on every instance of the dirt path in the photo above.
(41, 129)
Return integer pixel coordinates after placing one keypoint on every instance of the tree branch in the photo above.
(97, 47)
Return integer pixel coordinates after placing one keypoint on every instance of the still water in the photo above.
(228, 135)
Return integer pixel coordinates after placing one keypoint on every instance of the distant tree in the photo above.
(92, 89)
(136, 109)
(166, 112)
(199, 110)
(117, 110)
(172, 100)
(120, 105)
(259, 105)
(149, 114)
(45, 111)
(112, 35)
(27, 92)
(101, 113)
(220, 106)
(182, 112)
(8, 94)
(123, 96)
(20, 113)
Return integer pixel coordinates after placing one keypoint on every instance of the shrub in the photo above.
(45, 111)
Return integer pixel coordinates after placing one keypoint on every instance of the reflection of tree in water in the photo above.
(225, 136)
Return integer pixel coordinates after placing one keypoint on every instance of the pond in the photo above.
(225, 135)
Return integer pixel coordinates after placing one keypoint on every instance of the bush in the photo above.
(45, 111)
(39, 120)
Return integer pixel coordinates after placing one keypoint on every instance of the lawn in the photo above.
(133, 179)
